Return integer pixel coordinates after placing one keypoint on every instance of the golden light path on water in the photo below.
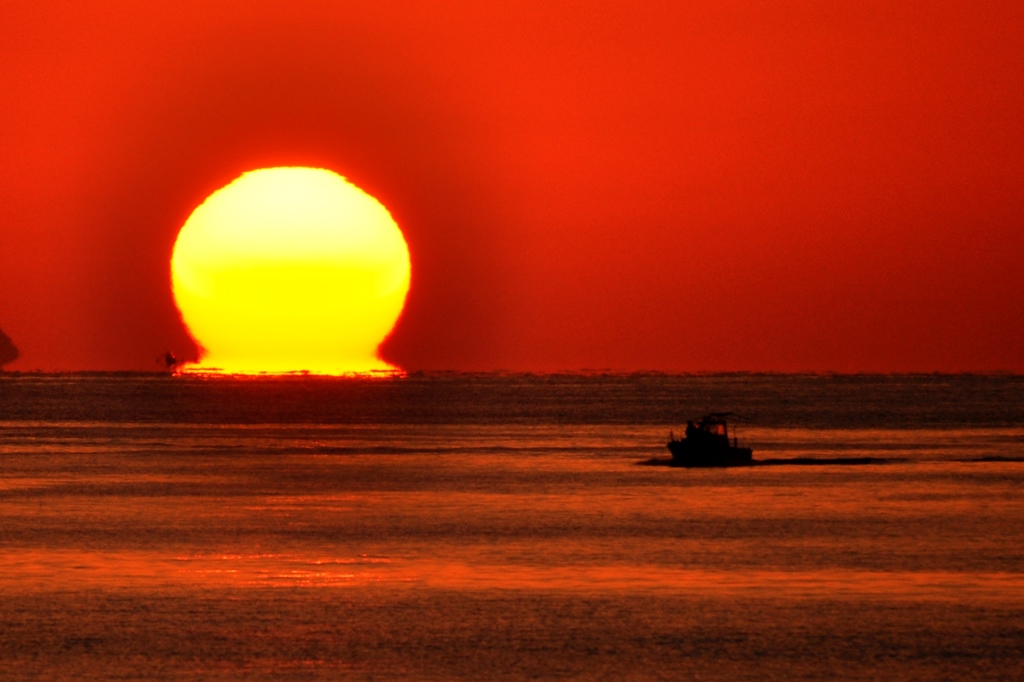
(83, 569)
(923, 483)
(290, 270)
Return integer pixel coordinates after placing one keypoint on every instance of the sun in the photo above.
(290, 270)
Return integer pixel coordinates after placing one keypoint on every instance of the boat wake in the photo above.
(784, 461)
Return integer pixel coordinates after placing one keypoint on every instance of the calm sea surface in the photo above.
(503, 527)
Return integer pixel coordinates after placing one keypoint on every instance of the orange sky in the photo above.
(645, 185)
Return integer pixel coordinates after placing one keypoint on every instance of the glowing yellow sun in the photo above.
(290, 270)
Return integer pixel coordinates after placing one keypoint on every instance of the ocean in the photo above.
(507, 526)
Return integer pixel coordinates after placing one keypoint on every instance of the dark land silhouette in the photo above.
(8, 351)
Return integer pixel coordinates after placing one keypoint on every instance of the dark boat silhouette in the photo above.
(706, 444)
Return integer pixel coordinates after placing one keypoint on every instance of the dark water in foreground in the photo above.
(499, 527)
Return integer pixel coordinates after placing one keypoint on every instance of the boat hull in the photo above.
(687, 454)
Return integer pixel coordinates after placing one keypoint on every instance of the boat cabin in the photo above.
(712, 426)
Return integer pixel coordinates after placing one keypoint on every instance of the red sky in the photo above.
(646, 185)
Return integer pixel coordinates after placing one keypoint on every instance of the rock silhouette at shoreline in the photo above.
(8, 351)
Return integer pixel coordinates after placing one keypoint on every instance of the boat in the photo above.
(707, 444)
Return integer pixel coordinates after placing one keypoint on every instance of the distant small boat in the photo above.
(706, 444)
